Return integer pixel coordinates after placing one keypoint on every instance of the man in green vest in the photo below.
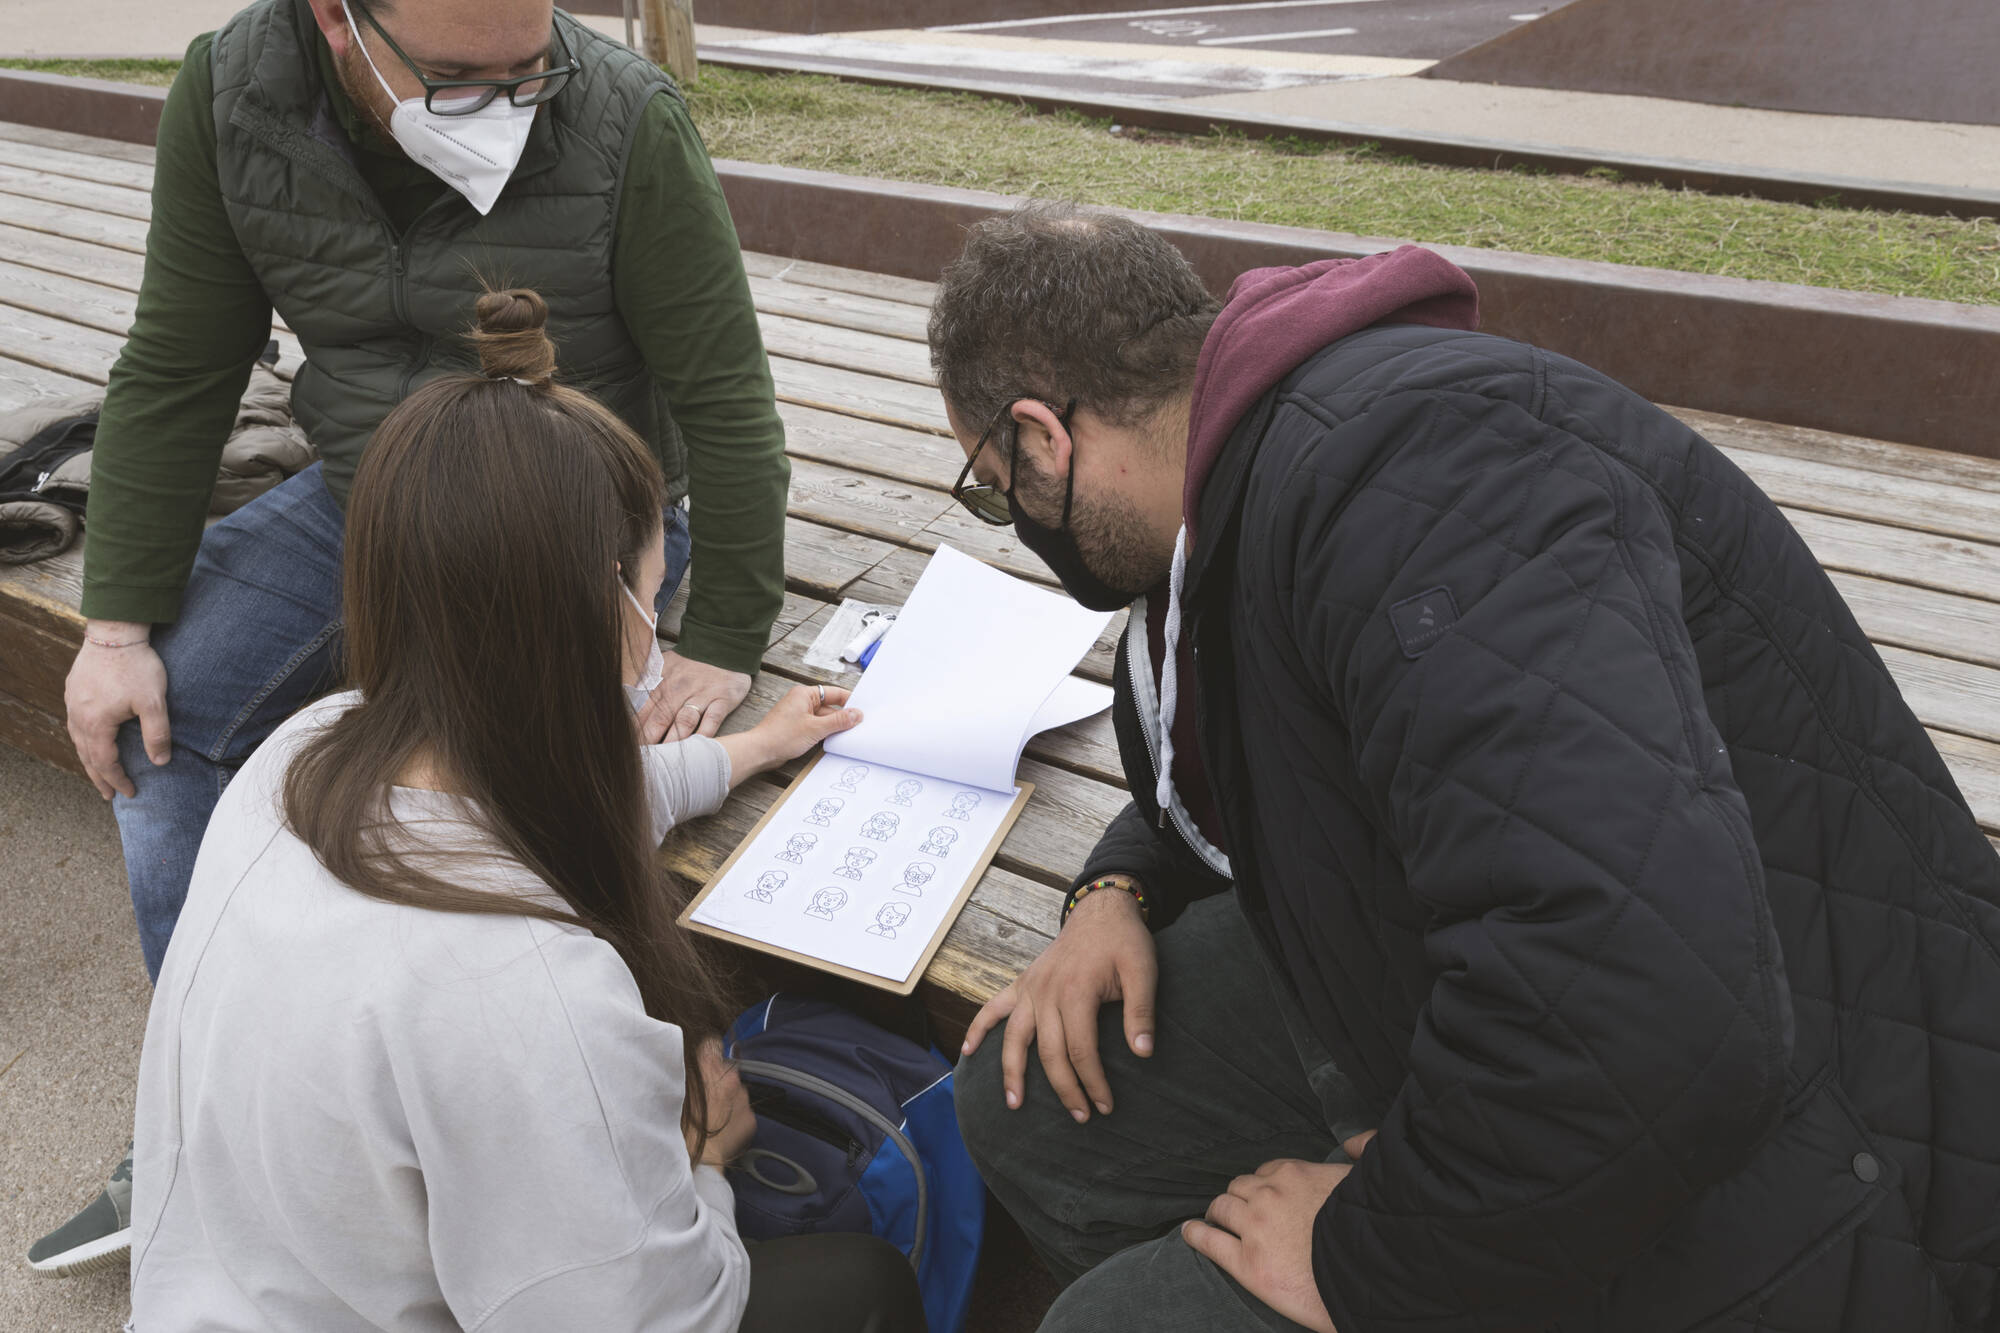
(363, 169)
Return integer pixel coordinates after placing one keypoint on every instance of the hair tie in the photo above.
(526, 384)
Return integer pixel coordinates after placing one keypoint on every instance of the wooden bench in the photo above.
(1911, 536)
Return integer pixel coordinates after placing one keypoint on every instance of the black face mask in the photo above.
(1058, 549)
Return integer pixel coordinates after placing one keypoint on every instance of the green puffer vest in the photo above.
(380, 313)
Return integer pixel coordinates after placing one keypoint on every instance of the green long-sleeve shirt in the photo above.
(203, 317)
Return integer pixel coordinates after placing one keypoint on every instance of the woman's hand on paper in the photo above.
(731, 1122)
(1103, 955)
(807, 715)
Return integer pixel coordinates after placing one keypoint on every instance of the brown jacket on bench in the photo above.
(41, 514)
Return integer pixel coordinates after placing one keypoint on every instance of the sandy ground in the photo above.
(73, 998)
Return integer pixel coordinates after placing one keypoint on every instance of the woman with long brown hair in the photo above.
(428, 1050)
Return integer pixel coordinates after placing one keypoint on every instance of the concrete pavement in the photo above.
(73, 998)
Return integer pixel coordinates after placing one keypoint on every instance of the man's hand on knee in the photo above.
(1103, 955)
(116, 676)
(692, 697)
(1261, 1232)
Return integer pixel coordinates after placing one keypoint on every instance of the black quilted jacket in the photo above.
(1604, 855)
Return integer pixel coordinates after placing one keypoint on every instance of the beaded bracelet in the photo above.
(1123, 883)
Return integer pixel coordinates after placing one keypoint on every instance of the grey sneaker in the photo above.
(97, 1238)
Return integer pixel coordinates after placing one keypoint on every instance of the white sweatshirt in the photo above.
(355, 1115)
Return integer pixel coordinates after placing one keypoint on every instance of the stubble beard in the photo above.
(1116, 543)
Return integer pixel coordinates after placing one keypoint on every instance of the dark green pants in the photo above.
(838, 1283)
(1235, 1081)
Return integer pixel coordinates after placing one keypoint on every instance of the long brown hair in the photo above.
(485, 632)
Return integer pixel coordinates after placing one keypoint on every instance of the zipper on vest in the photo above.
(398, 267)
(399, 289)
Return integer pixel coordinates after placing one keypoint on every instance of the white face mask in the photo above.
(640, 690)
(474, 154)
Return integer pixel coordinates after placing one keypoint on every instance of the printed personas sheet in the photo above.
(865, 861)
(861, 866)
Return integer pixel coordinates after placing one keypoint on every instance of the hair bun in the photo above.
(512, 337)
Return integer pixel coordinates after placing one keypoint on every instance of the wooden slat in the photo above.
(860, 283)
(860, 502)
(80, 349)
(58, 220)
(83, 166)
(893, 402)
(1975, 766)
(1906, 461)
(78, 143)
(1948, 564)
(823, 305)
(869, 353)
(1903, 502)
(823, 562)
(1922, 619)
(23, 383)
(56, 344)
(896, 452)
(45, 595)
(90, 304)
(1945, 694)
(81, 259)
(87, 195)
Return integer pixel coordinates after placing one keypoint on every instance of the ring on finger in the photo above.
(822, 696)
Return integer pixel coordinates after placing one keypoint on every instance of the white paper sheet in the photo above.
(859, 867)
(976, 656)
(1072, 701)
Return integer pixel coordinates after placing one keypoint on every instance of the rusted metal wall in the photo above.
(1905, 59)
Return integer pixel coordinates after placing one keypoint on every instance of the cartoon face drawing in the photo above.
(826, 902)
(824, 810)
(796, 848)
(850, 778)
(907, 792)
(891, 916)
(767, 884)
(915, 876)
(962, 805)
(858, 860)
(939, 841)
(881, 826)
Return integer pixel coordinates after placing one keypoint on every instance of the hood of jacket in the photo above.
(1277, 318)
(1274, 321)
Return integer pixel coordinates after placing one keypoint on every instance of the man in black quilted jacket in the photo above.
(1609, 948)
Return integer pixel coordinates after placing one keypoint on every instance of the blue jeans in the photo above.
(259, 636)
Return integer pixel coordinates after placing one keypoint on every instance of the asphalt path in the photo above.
(1406, 29)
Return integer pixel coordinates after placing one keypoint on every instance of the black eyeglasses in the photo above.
(462, 97)
(990, 504)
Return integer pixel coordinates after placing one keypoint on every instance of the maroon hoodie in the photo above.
(1274, 321)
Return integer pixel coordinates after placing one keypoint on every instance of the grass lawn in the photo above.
(960, 139)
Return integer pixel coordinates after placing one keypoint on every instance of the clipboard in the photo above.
(973, 871)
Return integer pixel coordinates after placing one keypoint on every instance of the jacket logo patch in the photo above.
(1421, 621)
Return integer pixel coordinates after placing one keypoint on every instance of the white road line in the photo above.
(1277, 37)
(1145, 14)
(1179, 70)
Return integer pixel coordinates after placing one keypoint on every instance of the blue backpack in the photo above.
(856, 1132)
